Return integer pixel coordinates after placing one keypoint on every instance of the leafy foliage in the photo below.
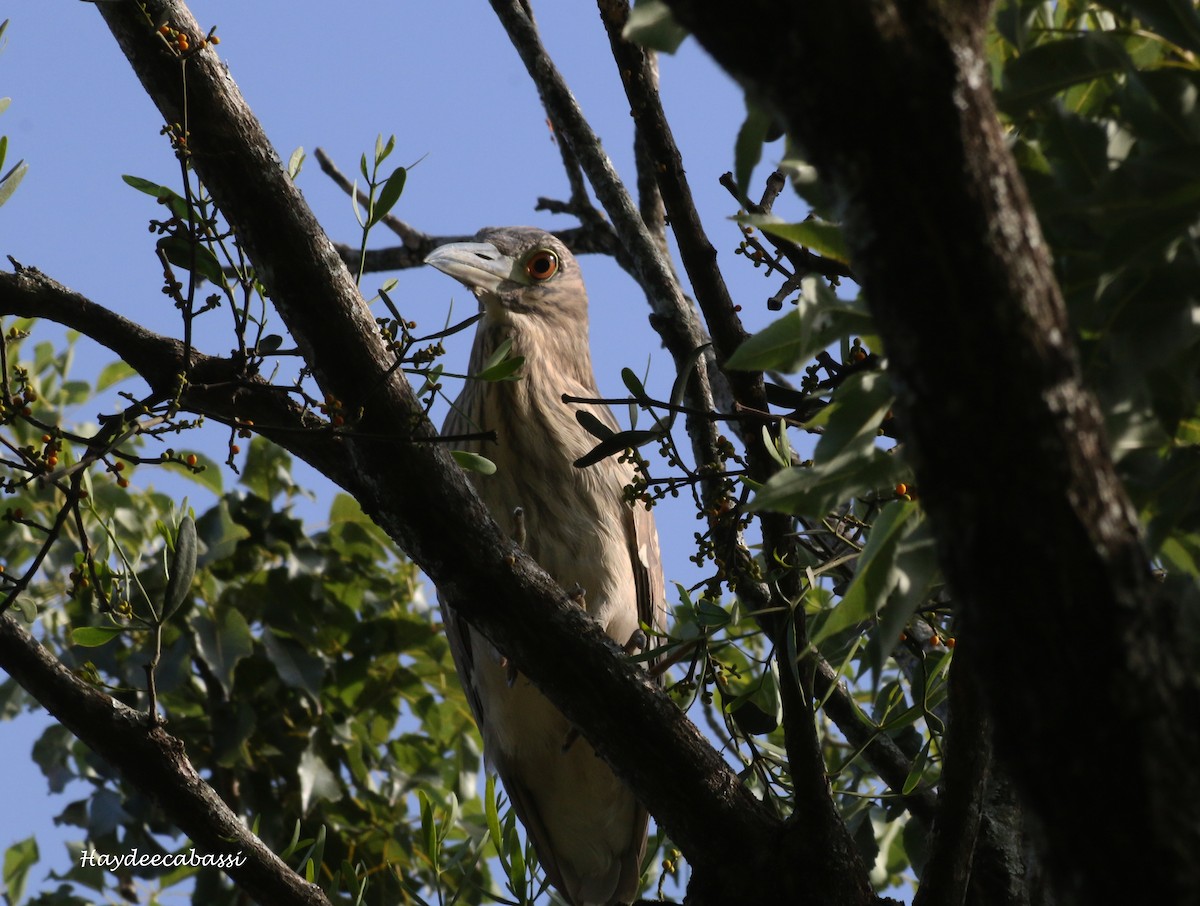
(309, 676)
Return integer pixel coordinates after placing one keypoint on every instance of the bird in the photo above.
(587, 828)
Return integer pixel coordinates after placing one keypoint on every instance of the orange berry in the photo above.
(902, 489)
(338, 421)
(1, 567)
(935, 639)
(122, 482)
(235, 449)
(191, 459)
(949, 643)
(118, 466)
(164, 29)
(214, 40)
(52, 461)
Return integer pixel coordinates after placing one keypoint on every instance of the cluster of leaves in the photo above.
(294, 658)
(1099, 100)
(1107, 132)
(306, 674)
(287, 665)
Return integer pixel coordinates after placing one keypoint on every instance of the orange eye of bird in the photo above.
(542, 265)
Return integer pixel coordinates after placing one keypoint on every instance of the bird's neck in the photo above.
(558, 360)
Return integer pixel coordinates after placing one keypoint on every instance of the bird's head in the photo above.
(518, 273)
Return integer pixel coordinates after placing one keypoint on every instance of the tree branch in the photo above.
(674, 318)
(219, 388)
(154, 762)
(416, 492)
(947, 874)
(979, 346)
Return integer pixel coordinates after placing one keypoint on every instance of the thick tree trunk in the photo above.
(1087, 672)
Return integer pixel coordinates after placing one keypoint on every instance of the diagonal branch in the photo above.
(414, 490)
(216, 387)
(155, 762)
(674, 318)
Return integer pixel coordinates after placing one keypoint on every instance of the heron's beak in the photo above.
(478, 265)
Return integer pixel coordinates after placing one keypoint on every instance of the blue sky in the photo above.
(440, 76)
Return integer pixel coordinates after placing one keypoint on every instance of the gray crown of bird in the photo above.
(587, 828)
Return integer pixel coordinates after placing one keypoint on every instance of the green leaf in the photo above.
(317, 781)
(219, 533)
(183, 567)
(593, 425)
(473, 462)
(747, 149)
(683, 376)
(847, 461)
(176, 202)
(313, 858)
(917, 771)
(10, 180)
(633, 384)
(95, 636)
(382, 149)
(388, 195)
(852, 419)
(875, 574)
(710, 613)
(428, 828)
(192, 256)
(652, 24)
(223, 642)
(818, 320)
(18, 859)
(268, 344)
(618, 443)
(295, 163)
(114, 373)
(916, 567)
(821, 236)
(499, 366)
(268, 469)
(1176, 20)
(758, 710)
(492, 813)
(1050, 68)
(503, 371)
(296, 666)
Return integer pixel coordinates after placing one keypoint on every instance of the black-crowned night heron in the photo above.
(587, 828)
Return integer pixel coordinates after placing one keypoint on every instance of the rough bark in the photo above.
(414, 490)
(892, 103)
